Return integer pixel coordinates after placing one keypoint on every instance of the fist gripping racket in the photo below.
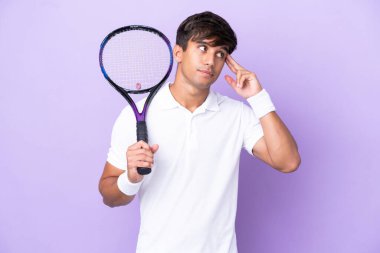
(136, 59)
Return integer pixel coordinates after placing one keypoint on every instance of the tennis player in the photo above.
(188, 203)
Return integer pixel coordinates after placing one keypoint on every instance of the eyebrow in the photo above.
(210, 45)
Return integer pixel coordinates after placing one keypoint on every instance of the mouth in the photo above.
(206, 72)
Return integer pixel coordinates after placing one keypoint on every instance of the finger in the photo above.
(144, 158)
(143, 164)
(154, 148)
(244, 76)
(230, 80)
(141, 154)
(231, 67)
(239, 82)
(138, 152)
(143, 145)
(233, 63)
(133, 162)
(135, 146)
(139, 145)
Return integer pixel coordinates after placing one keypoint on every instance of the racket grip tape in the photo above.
(142, 132)
(142, 135)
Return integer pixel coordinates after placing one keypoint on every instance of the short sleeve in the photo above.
(252, 128)
(123, 135)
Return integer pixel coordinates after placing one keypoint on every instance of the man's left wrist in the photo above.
(255, 92)
(261, 103)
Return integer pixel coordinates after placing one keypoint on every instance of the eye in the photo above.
(220, 54)
(203, 48)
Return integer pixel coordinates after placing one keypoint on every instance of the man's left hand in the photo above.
(246, 83)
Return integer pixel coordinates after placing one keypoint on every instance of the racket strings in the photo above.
(136, 60)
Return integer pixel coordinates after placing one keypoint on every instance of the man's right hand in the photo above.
(139, 154)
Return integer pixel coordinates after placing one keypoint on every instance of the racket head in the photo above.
(136, 58)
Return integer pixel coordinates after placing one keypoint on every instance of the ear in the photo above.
(177, 53)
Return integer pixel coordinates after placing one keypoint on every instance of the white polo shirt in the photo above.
(188, 203)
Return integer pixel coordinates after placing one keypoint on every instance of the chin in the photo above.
(204, 85)
(207, 82)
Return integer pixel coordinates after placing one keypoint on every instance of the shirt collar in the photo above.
(167, 101)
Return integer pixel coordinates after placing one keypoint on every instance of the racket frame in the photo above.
(141, 128)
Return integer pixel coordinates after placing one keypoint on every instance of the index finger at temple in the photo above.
(233, 63)
(232, 68)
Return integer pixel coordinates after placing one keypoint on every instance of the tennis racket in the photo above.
(136, 59)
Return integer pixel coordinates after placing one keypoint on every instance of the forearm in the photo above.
(278, 147)
(281, 145)
(111, 194)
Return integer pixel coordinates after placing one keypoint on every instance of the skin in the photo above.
(199, 66)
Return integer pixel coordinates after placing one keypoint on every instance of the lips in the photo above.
(207, 72)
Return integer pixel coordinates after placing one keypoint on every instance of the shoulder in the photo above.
(127, 115)
(123, 121)
(235, 107)
(227, 103)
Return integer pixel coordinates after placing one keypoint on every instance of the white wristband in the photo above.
(261, 103)
(127, 187)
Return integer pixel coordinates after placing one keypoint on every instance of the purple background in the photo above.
(319, 60)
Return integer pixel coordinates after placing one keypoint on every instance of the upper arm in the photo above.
(111, 171)
(260, 150)
(108, 188)
(109, 175)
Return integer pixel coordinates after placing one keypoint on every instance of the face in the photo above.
(200, 64)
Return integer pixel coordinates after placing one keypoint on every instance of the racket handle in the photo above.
(142, 135)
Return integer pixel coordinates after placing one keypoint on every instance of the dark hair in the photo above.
(206, 25)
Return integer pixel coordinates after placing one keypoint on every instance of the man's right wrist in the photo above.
(126, 186)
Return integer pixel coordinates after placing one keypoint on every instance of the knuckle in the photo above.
(146, 164)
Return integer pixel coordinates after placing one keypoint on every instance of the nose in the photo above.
(209, 59)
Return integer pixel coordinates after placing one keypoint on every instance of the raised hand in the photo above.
(246, 83)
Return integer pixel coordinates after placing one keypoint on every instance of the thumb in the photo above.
(154, 148)
(230, 81)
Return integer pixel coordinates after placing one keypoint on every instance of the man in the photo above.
(188, 202)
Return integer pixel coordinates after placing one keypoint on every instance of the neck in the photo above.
(188, 95)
